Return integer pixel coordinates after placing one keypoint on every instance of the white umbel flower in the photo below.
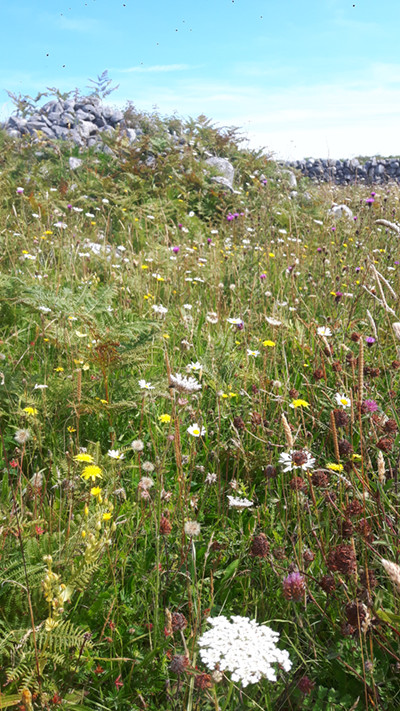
(184, 384)
(239, 504)
(244, 648)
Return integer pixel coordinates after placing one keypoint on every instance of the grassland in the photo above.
(199, 399)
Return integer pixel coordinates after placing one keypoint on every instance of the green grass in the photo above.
(91, 628)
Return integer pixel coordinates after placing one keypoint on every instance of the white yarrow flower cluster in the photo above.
(185, 384)
(239, 504)
(244, 648)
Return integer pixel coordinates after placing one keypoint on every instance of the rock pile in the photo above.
(344, 172)
(84, 121)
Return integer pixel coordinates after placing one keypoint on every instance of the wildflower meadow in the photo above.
(199, 444)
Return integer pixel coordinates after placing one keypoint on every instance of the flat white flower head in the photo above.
(342, 400)
(254, 354)
(273, 321)
(239, 504)
(244, 648)
(196, 431)
(184, 384)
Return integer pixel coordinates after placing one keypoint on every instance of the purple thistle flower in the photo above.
(175, 249)
(369, 200)
(319, 249)
(263, 276)
(370, 340)
(373, 194)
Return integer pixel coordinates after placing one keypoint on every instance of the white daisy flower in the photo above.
(296, 459)
(324, 331)
(252, 353)
(115, 454)
(196, 431)
(342, 400)
(145, 386)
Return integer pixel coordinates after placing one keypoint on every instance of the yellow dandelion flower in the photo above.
(95, 491)
(299, 403)
(356, 457)
(164, 418)
(106, 516)
(83, 457)
(71, 429)
(60, 369)
(31, 411)
(144, 266)
(335, 467)
(269, 344)
(91, 472)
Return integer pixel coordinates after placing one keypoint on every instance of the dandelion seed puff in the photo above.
(137, 445)
(148, 467)
(192, 528)
(22, 436)
(146, 483)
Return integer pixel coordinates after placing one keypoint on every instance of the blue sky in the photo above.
(313, 78)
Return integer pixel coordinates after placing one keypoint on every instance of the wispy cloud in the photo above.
(156, 68)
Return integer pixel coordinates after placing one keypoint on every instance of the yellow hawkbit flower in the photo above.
(299, 403)
(60, 369)
(95, 491)
(31, 411)
(71, 429)
(106, 516)
(164, 418)
(91, 472)
(269, 344)
(83, 457)
(335, 467)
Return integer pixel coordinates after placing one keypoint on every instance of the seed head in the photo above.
(178, 664)
(259, 546)
(343, 559)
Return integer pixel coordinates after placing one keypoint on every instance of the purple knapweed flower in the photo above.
(369, 200)
(338, 296)
(373, 194)
(20, 191)
(319, 249)
(175, 249)
(263, 276)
